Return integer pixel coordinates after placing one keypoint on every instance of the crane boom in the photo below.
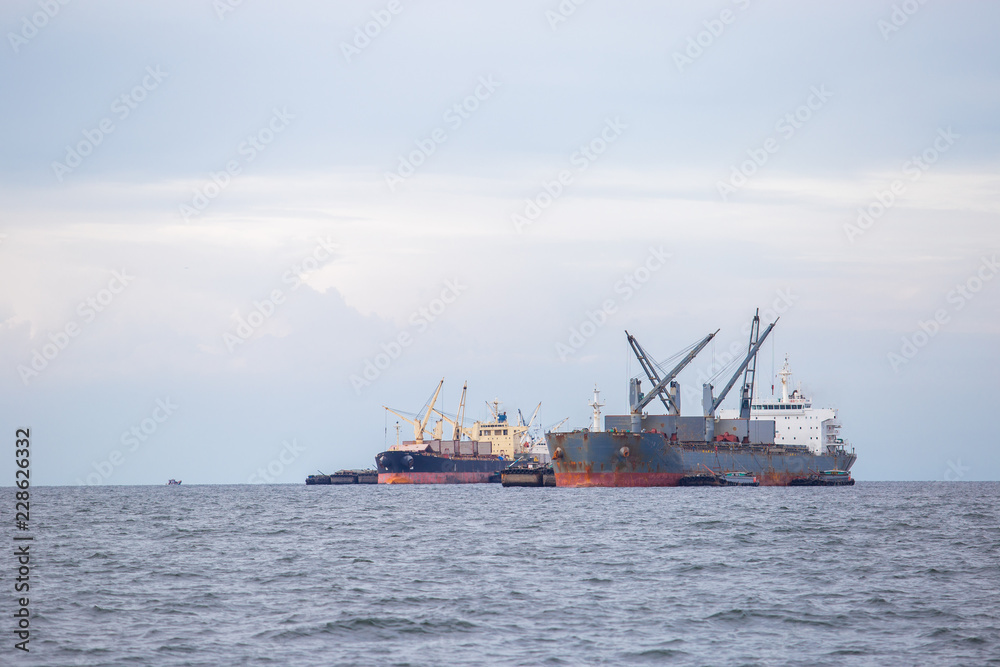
(526, 434)
(750, 375)
(457, 433)
(710, 404)
(673, 373)
(419, 425)
(467, 432)
(559, 424)
(413, 422)
(651, 373)
(430, 409)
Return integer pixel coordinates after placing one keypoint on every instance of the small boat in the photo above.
(701, 479)
(528, 474)
(740, 479)
(173, 482)
(825, 478)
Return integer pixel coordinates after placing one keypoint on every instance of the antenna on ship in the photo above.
(597, 405)
(772, 366)
(784, 373)
(494, 408)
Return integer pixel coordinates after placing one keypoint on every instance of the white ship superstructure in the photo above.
(504, 435)
(796, 421)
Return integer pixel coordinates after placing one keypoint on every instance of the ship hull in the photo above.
(582, 459)
(408, 467)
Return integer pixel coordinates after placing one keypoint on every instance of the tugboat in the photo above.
(740, 479)
(711, 478)
(701, 479)
(825, 478)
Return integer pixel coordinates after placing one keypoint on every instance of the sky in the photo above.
(231, 232)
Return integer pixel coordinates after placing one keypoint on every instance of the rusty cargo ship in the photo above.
(779, 441)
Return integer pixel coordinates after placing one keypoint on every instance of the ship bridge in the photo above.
(796, 421)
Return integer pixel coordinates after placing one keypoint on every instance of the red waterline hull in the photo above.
(579, 479)
(434, 477)
(588, 479)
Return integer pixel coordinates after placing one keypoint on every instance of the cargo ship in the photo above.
(472, 455)
(780, 442)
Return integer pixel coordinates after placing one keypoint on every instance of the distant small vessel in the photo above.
(173, 482)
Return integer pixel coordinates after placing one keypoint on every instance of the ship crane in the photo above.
(558, 424)
(526, 438)
(457, 433)
(750, 374)
(536, 447)
(671, 400)
(654, 377)
(711, 404)
(540, 440)
(458, 422)
(420, 425)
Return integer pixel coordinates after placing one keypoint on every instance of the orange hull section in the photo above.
(578, 479)
(583, 479)
(434, 477)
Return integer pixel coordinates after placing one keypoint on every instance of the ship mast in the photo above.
(597, 405)
(785, 373)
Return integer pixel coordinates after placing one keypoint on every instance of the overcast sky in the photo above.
(490, 194)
